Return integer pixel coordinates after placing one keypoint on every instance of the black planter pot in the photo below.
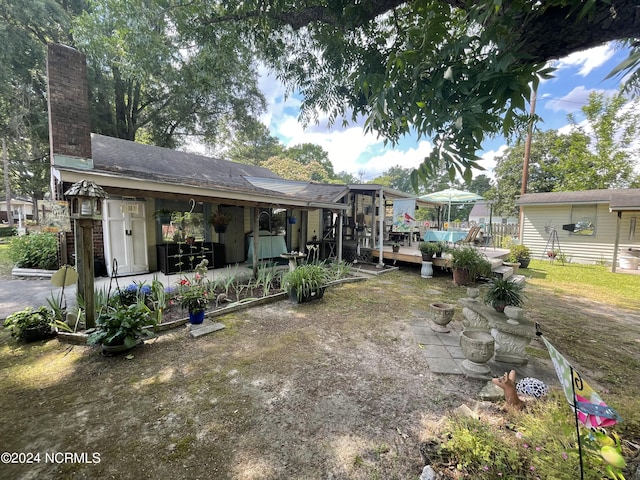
(220, 228)
(109, 350)
(164, 218)
(313, 295)
(524, 262)
(36, 333)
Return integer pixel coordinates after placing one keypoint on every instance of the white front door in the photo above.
(125, 237)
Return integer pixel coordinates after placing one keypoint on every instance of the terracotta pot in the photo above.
(461, 276)
(499, 306)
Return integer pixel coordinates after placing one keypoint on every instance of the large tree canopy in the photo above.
(600, 152)
(151, 70)
(454, 70)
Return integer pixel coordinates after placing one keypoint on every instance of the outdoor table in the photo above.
(269, 246)
(444, 236)
(293, 259)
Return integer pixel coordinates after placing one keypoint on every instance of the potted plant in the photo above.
(429, 249)
(163, 215)
(307, 282)
(219, 220)
(395, 247)
(520, 254)
(195, 299)
(120, 328)
(503, 292)
(468, 264)
(30, 325)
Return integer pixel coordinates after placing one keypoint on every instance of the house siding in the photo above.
(577, 248)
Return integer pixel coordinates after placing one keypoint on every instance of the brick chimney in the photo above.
(69, 120)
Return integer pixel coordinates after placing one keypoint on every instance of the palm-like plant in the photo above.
(503, 292)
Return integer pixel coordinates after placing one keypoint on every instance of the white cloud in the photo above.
(489, 160)
(575, 99)
(391, 157)
(586, 60)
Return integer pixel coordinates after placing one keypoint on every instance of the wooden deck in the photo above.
(412, 255)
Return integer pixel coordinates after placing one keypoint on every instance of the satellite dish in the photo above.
(64, 277)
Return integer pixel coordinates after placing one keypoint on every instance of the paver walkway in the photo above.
(444, 354)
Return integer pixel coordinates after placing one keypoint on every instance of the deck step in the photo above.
(503, 271)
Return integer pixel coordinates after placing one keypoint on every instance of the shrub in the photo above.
(36, 250)
(518, 252)
(8, 231)
(29, 324)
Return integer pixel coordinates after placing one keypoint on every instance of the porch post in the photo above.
(616, 244)
(256, 237)
(339, 235)
(381, 215)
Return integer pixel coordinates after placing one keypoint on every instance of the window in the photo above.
(583, 217)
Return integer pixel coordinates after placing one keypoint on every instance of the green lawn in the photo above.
(591, 281)
(5, 264)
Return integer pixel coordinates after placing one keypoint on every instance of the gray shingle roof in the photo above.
(630, 197)
(150, 163)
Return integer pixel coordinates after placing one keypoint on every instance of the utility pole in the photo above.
(525, 163)
(527, 145)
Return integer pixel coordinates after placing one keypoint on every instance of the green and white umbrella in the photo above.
(451, 195)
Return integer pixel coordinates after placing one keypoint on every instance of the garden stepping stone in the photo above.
(206, 328)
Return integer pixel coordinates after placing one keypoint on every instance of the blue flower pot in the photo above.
(197, 317)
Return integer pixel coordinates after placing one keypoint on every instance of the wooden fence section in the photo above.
(500, 232)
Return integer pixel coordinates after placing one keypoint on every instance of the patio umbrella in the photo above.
(449, 196)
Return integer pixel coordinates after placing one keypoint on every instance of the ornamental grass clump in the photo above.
(305, 280)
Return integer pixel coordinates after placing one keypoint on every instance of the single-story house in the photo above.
(481, 214)
(21, 209)
(586, 226)
(268, 214)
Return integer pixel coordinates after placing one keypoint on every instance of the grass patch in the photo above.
(336, 388)
(6, 265)
(594, 282)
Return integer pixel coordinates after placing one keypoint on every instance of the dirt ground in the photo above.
(332, 389)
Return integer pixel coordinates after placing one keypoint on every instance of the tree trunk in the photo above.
(7, 184)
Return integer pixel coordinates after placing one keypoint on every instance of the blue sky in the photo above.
(350, 149)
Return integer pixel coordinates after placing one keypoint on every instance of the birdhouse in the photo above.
(86, 200)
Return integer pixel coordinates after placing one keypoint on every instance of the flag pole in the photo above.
(575, 412)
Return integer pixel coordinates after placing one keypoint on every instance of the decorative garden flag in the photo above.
(590, 408)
